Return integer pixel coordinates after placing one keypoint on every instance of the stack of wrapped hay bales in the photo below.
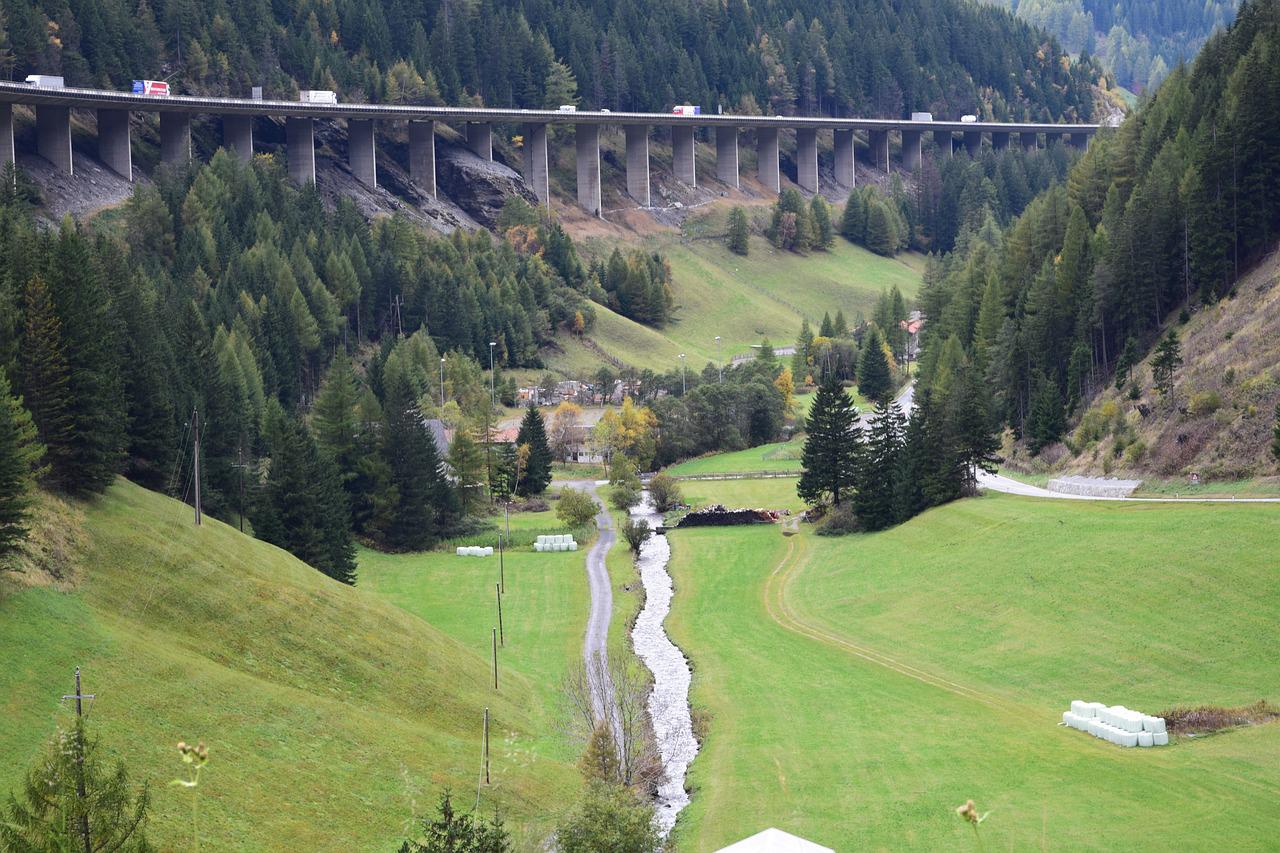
(1116, 724)
(555, 542)
(474, 551)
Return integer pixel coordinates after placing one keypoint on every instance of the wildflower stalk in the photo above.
(195, 757)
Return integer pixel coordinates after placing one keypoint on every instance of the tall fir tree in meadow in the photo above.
(536, 475)
(739, 235)
(853, 221)
(425, 503)
(20, 456)
(831, 446)
(335, 416)
(823, 232)
(878, 468)
(46, 379)
(875, 380)
(976, 436)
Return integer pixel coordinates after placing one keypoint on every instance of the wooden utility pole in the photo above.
(81, 793)
(502, 573)
(495, 658)
(240, 466)
(486, 746)
(195, 432)
(497, 590)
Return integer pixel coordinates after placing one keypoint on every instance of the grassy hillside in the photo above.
(764, 295)
(861, 688)
(1219, 418)
(332, 716)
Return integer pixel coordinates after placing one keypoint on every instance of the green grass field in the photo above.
(332, 715)
(856, 690)
(764, 295)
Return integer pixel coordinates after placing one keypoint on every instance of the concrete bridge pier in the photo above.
(536, 174)
(911, 153)
(767, 158)
(587, 145)
(7, 154)
(1030, 141)
(53, 136)
(683, 162)
(807, 158)
(944, 140)
(878, 141)
(727, 155)
(113, 142)
(480, 139)
(638, 162)
(362, 152)
(973, 142)
(422, 155)
(845, 172)
(237, 136)
(175, 138)
(999, 140)
(300, 139)
(1078, 140)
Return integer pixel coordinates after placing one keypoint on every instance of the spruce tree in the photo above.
(831, 445)
(853, 222)
(425, 503)
(45, 380)
(823, 233)
(1124, 364)
(536, 475)
(878, 468)
(1166, 361)
(825, 329)
(882, 237)
(52, 813)
(977, 438)
(96, 400)
(800, 361)
(466, 458)
(840, 326)
(20, 455)
(334, 416)
(739, 235)
(1047, 419)
(874, 378)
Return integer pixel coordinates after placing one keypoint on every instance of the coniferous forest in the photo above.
(856, 57)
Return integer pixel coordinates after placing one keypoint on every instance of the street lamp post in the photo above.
(442, 382)
(683, 386)
(719, 360)
(493, 397)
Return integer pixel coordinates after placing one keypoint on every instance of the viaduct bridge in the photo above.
(53, 137)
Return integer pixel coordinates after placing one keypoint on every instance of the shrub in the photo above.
(1134, 391)
(624, 496)
(1134, 452)
(1204, 403)
(665, 491)
(609, 817)
(636, 532)
(458, 831)
(575, 508)
(840, 521)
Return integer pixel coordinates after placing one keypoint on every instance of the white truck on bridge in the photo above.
(45, 81)
(317, 96)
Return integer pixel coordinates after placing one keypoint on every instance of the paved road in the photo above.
(596, 642)
(1008, 485)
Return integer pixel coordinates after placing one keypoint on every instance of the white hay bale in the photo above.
(1128, 738)
(1093, 726)
(1155, 725)
(1095, 708)
(1160, 738)
(1145, 739)
(460, 550)
(1077, 706)
(1068, 718)
(573, 546)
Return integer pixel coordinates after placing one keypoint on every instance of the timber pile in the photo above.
(719, 515)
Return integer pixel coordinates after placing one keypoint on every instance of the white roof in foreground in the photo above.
(774, 841)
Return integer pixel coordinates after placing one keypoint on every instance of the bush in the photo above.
(1134, 391)
(665, 491)
(840, 521)
(636, 531)
(575, 508)
(1204, 403)
(1134, 452)
(609, 817)
(458, 831)
(624, 496)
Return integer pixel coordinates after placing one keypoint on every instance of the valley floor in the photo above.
(855, 690)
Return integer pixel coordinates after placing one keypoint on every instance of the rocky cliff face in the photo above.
(477, 186)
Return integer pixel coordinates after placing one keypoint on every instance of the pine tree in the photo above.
(426, 505)
(825, 328)
(878, 468)
(51, 813)
(334, 416)
(874, 378)
(831, 445)
(1166, 361)
(95, 403)
(973, 428)
(466, 458)
(840, 326)
(1047, 420)
(823, 233)
(20, 455)
(739, 235)
(853, 222)
(882, 237)
(1125, 363)
(536, 475)
(800, 361)
(45, 378)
